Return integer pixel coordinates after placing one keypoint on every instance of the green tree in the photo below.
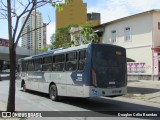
(8, 11)
(88, 35)
(85, 36)
(62, 37)
(53, 41)
(43, 49)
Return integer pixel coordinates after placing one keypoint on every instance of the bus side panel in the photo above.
(43, 78)
(23, 75)
(76, 80)
(35, 81)
(75, 84)
(47, 76)
(59, 78)
(37, 86)
(75, 91)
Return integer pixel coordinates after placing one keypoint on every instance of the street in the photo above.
(35, 101)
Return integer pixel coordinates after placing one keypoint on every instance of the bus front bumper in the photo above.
(96, 92)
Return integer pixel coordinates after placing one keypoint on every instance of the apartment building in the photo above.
(44, 35)
(35, 39)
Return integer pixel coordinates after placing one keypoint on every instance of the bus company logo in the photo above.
(6, 114)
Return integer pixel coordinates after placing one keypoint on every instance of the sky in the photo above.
(110, 10)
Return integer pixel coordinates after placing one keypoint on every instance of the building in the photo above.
(45, 35)
(93, 18)
(35, 39)
(140, 35)
(76, 13)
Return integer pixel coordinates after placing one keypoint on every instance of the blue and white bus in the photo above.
(90, 70)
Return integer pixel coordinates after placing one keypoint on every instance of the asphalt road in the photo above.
(35, 101)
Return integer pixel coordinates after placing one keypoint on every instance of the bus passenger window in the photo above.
(82, 60)
(38, 64)
(71, 61)
(24, 66)
(47, 63)
(31, 65)
(58, 62)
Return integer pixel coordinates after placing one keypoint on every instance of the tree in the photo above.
(62, 37)
(7, 11)
(84, 35)
(43, 49)
(53, 41)
(87, 35)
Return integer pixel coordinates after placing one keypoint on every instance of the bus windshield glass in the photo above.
(108, 56)
(109, 64)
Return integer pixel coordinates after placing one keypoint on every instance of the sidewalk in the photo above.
(147, 90)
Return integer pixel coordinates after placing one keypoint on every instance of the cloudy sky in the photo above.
(109, 9)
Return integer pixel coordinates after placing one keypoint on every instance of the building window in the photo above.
(113, 37)
(127, 34)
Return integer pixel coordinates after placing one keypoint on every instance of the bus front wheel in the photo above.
(53, 93)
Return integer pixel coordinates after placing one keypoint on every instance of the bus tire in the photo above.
(24, 87)
(53, 93)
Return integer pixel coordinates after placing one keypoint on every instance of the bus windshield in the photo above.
(108, 56)
(109, 64)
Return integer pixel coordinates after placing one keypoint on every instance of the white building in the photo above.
(29, 41)
(140, 35)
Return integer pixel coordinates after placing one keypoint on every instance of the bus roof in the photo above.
(55, 51)
(61, 50)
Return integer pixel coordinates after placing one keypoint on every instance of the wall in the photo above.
(156, 31)
(139, 47)
(75, 13)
